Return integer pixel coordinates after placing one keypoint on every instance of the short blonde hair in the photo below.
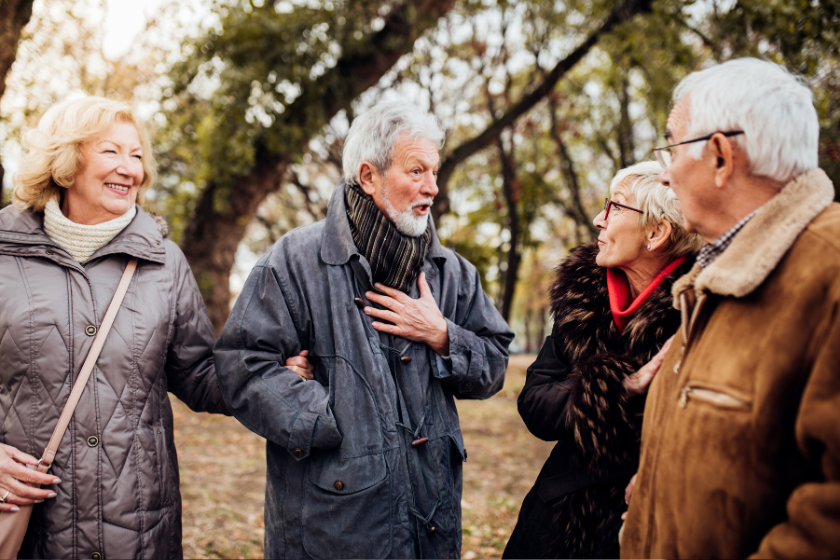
(657, 203)
(54, 149)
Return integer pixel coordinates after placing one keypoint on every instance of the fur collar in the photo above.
(580, 305)
(759, 247)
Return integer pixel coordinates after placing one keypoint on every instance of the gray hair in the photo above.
(658, 203)
(374, 134)
(773, 108)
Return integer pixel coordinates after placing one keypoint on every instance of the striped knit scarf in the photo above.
(395, 259)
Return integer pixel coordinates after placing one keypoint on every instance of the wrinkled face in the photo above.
(621, 241)
(688, 178)
(106, 187)
(408, 189)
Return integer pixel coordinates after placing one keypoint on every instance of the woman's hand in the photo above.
(301, 366)
(639, 382)
(628, 493)
(15, 480)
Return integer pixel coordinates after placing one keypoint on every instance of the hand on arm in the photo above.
(418, 320)
(15, 478)
(301, 365)
(639, 382)
(628, 493)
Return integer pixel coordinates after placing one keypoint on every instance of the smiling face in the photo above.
(406, 192)
(107, 185)
(621, 242)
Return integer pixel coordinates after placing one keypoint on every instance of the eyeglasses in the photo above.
(663, 154)
(608, 204)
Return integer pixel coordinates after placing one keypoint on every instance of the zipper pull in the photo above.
(684, 396)
(680, 359)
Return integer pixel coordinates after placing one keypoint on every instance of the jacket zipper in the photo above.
(710, 396)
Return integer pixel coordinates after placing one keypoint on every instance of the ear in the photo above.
(720, 147)
(659, 236)
(368, 177)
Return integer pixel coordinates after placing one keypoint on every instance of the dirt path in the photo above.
(223, 476)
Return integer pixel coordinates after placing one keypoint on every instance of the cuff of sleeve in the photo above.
(463, 367)
(312, 431)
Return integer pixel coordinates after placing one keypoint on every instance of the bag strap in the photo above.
(78, 388)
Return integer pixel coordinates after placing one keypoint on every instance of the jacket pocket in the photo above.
(346, 509)
(716, 396)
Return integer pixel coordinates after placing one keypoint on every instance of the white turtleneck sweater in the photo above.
(80, 240)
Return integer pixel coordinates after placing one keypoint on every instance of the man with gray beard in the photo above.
(383, 328)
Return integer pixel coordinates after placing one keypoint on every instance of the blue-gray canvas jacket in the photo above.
(344, 480)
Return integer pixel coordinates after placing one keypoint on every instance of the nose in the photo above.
(430, 187)
(665, 177)
(599, 221)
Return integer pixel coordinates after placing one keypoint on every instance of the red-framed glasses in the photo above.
(608, 204)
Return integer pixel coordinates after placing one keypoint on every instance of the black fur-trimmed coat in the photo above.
(574, 395)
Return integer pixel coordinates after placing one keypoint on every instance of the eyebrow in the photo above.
(131, 149)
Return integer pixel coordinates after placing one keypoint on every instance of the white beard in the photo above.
(406, 222)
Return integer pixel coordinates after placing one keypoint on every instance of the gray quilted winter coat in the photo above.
(366, 460)
(119, 497)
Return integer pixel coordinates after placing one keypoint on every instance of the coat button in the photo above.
(419, 441)
(90, 330)
(48, 252)
(96, 556)
(430, 531)
(405, 359)
(92, 441)
(339, 485)
(359, 302)
(298, 452)
(466, 386)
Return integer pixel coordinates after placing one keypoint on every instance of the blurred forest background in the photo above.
(544, 100)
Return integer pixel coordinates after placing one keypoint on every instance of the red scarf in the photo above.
(619, 289)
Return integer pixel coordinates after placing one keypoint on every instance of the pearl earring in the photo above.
(648, 247)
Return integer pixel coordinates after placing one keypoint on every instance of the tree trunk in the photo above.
(624, 12)
(14, 15)
(223, 212)
(512, 192)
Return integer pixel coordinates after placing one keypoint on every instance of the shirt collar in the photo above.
(712, 251)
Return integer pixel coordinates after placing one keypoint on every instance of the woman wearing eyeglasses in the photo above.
(613, 319)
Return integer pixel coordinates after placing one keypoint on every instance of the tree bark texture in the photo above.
(623, 12)
(223, 212)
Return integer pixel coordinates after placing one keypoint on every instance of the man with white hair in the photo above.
(383, 328)
(741, 435)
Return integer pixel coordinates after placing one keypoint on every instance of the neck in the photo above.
(737, 200)
(643, 271)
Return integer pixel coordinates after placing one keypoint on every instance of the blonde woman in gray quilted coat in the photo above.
(112, 491)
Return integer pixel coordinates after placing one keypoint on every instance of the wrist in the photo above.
(441, 343)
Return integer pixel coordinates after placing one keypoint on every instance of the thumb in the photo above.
(425, 291)
(304, 353)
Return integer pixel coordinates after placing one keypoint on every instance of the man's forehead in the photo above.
(417, 148)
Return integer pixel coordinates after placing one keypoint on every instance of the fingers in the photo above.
(390, 292)
(390, 329)
(384, 301)
(628, 492)
(665, 347)
(383, 314)
(19, 456)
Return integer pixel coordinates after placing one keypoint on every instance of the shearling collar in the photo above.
(757, 249)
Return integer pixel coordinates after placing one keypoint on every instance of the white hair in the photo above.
(773, 108)
(658, 203)
(374, 134)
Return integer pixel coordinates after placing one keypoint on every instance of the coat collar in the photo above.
(23, 231)
(337, 245)
(760, 246)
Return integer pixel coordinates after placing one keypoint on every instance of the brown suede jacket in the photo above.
(741, 435)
